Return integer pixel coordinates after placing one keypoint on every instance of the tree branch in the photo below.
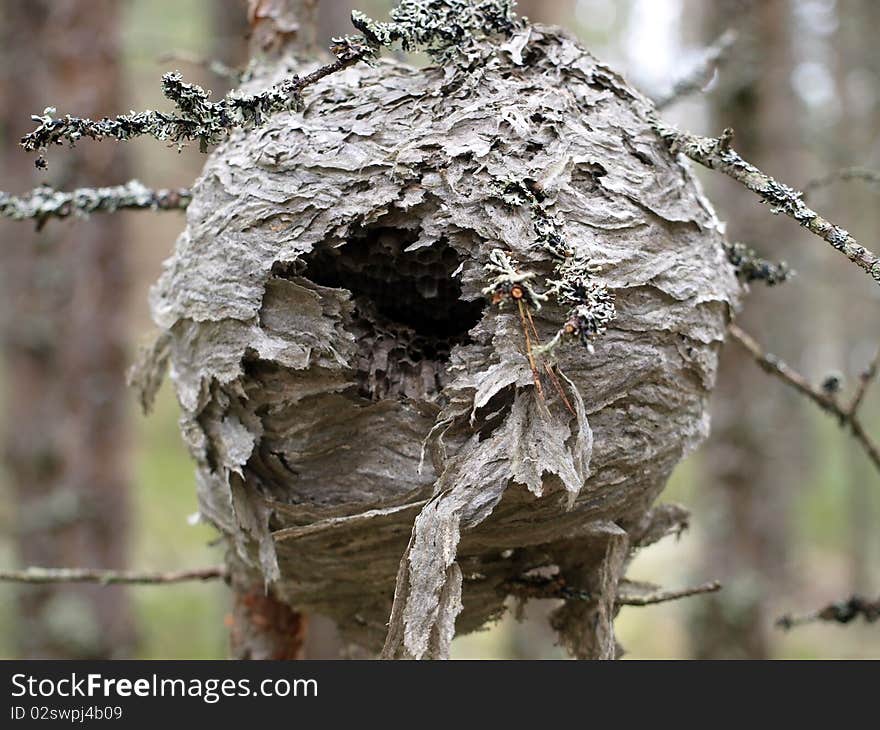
(35, 575)
(717, 154)
(663, 596)
(640, 594)
(445, 29)
(842, 613)
(865, 379)
(750, 266)
(827, 401)
(696, 77)
(45, 202)
(198, 118)
(847, 173)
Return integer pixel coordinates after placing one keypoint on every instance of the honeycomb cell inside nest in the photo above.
(409, 313)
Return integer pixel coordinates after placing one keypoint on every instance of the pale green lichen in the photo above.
(197, 117)
(445, 29)
(508, 282)
(750, 266)
(573, 284)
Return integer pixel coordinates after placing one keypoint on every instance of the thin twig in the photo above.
(554, 586)
(847, 173)
(865, 379)
(847, 416)
(45, 202)
(696, 77)
(776, 367)
(548, 369)
(216, 67)
(536, 376)
(662, 596)
(35, 575)
(846, 611)
(716, 153)
(842, 612)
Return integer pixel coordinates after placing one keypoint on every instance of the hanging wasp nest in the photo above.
(443, 332)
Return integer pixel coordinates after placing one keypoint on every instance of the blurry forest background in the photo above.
(784, 505)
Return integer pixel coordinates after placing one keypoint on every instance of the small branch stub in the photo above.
(654, 597)
(264, 628)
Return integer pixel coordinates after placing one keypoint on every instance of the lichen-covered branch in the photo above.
(827, 400)
(842, 612)
(750, 266)
(198, 117)
(45, 202)
(696, 77)
(716, 153)
(443, 28)
(109, 577)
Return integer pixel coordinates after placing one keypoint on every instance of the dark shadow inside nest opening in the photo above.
(409, 311)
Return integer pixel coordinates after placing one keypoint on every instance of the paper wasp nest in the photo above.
(328, 321)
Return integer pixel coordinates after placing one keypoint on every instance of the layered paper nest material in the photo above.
(325, 323)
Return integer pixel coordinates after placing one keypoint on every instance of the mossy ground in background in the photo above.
(183, 621)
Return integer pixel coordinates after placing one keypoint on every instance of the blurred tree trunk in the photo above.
(64, 335)
(334, 19)
(558, 12)
(854, 141)
(754, 460)
(231, 31)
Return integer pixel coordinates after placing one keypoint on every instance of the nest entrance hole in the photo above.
(409, 313)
